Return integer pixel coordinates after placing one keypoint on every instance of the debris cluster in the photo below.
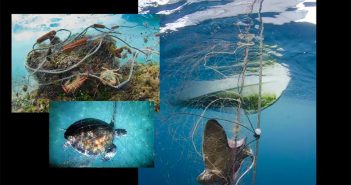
(88, 67)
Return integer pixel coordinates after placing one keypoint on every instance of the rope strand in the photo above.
(259, 94)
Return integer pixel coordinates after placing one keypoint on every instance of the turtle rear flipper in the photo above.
(109, 153)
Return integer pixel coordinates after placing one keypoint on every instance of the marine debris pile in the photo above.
(86, 66)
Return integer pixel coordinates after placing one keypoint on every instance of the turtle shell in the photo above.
(90, 136)
(87, 124)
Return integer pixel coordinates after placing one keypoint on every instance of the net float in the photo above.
(71, 46)
(46, 36)
(99, 26)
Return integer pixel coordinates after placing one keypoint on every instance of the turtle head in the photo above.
(110, 152)
(120, 132)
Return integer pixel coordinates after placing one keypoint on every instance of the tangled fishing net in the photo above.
(87, 66)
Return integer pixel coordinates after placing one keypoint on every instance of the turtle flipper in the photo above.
(209, 177)
(120, 132)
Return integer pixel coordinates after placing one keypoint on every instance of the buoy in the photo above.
(99, 26)
(48, 35)
(258, 132)
(71, 46)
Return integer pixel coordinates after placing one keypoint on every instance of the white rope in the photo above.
(259, 93)
(247, 170)
(199, 119)
(70, 68)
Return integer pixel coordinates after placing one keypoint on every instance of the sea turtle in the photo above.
(223, 157)
(93, 137)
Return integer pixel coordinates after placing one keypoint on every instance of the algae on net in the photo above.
(224, 92)
(249, 103)
(142, 86)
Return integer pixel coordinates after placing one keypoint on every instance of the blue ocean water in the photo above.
(287, 150)
(26, 28)
(136, 149)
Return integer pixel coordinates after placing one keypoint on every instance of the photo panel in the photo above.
(83, 57)
(101, 134)
(238, 93)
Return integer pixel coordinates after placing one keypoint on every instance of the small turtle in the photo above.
(93, 137)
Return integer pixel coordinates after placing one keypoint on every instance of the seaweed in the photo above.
(249, 102)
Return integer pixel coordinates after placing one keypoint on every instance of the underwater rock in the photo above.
(275, 79)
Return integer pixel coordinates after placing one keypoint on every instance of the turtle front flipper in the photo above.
(120, 132)
(109, 153)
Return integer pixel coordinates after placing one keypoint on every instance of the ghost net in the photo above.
(90, 65)
(81, 56)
